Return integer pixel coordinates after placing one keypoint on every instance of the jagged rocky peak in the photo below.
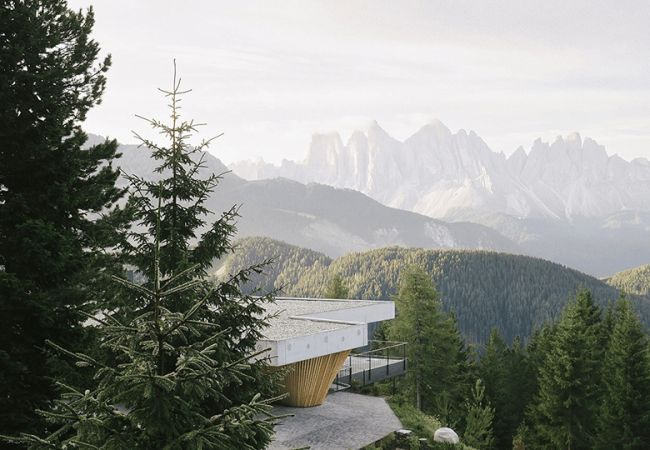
(434, 134)
(517, 160)
(437, 172)
(377, 132)
(358, 139)
(573, 139)
(566, 152)
(565, 161)
(438, 126)
(325, 149)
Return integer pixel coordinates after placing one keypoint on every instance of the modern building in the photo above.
(313, 338)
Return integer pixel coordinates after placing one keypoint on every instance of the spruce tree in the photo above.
(536, 350)
(478, 429)
(190, 238)
(451, 376)
(182, 370)
(435, 350)
(54, 197)
(509, 385)
(624, 416)
(521, 386)
(418, 314)
(563, 415)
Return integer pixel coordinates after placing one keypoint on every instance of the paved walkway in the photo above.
(343, 421)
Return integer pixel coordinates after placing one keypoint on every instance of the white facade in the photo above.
(310, 328)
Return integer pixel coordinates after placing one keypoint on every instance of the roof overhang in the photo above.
(303, 329)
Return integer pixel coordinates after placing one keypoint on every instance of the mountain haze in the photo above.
(322, 218)
(559, 201)
(437, 173)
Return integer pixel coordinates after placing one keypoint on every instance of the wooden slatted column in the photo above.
(307, 382)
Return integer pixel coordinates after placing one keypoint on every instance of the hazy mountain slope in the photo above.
(435, 173)
(329, 220)
(338, 221)
(598, 246)
(567, 201)
(485, 289)
(288, 264)
(593, 246)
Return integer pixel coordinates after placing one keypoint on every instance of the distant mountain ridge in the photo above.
(567, 202)
(319, 217)
(439, 174)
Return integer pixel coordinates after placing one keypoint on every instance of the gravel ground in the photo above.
(343, 421)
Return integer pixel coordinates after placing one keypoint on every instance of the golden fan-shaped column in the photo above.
(307, 382)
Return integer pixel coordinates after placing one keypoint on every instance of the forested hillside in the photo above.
(512, 292)
(289, 264)
(634, 281)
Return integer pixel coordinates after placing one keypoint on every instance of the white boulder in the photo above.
(445, 435)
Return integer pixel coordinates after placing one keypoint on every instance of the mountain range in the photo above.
(568, 201)
(438, 174)
(319, 217)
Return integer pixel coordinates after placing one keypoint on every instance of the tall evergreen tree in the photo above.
(434, 346)
(509, 385)
(183, 369)
(624, 417)
(521, 388)
(417, 322)
(451, 376)
(493, 370)
(52, 196)
(563, 415)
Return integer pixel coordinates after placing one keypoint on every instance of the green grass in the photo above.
(422, 425)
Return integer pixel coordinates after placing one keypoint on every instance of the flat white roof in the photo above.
(308, 328)
(293, 316)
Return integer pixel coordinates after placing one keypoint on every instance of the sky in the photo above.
(269, 74)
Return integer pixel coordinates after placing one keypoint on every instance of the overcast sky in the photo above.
(269, 74)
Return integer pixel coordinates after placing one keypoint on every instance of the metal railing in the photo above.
(385, 360)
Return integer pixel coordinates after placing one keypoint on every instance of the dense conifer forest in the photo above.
(517, 352)
(514, 293)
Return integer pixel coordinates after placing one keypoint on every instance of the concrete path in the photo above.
(343, 421)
